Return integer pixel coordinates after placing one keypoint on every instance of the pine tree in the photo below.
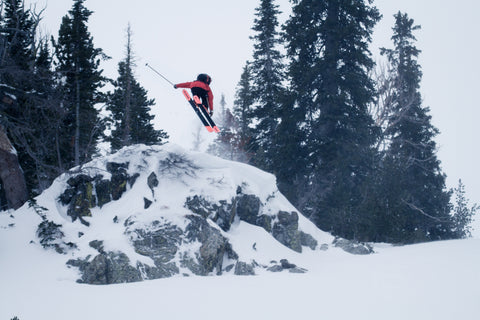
(415, 201)
(243, 105)
(327, 43)
(44, 117)
(19, 29)
(17, 59)
(130, 107)
(20, 97)
(267, 77)
(78, 64)
(462, 213)
(242, 117)
(223, 111)
(290, 164)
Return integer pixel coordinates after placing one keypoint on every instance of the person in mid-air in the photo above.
(201, 89)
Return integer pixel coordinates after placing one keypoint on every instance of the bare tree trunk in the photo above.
(11, 174)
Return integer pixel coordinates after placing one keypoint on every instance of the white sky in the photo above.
(183, 38)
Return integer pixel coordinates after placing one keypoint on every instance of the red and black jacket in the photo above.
(200, 89)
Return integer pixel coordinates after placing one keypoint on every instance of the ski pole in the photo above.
(159, 74)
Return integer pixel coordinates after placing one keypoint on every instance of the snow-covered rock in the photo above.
(160, 211)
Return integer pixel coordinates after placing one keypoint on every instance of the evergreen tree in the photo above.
(243, 104)
(462, 213)
(39, 142)
(267, 77)
(130, 107)
(243, 117)
(415, 202)
(327, 43)
(19, 29)
(78, 65)
(223, 111)
(26, 105)
(290, 164)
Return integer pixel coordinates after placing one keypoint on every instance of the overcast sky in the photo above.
(183, 38)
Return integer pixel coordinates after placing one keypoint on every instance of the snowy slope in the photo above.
(428, 281)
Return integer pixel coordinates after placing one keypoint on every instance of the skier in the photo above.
(201, 89)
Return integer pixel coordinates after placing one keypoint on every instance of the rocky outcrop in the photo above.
(160, 242)
(166, 245)
(192, 242)
(285, 230)
(106, 267)
(85, 192)
(247, 207)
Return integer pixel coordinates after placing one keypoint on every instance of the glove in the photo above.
(211, 113)
(174, 86)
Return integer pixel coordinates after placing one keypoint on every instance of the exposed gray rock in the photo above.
(164, 270)
(297, 270)
(324, 247)
(308, 241)
(221, 213)
(146, 203)
(152, 181)
(213, 247)
(285, 265)
(160, 242)
(106, 268)
(265, 222)
(119, 178)
(275, 268)
(353, 247)
(85, 192)
(200, 206)
(225, 214)
(97, 245)
(285, 230)
(248, 207)
(244, 269)
(104, 192)
(80, 197)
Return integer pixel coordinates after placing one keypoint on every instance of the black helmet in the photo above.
(205, 78)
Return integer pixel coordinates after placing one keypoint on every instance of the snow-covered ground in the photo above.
(439, 280)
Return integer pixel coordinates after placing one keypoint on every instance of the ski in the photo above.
(205, 114)
(196, 108)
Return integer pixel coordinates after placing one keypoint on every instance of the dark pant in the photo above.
(202, 94)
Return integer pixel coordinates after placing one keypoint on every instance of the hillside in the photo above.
(206, 226)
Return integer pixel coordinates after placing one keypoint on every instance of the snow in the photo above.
(438, 280)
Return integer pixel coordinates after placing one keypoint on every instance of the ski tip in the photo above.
(216, 129)
(197, 100)
(185, 93)
(210, 129)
